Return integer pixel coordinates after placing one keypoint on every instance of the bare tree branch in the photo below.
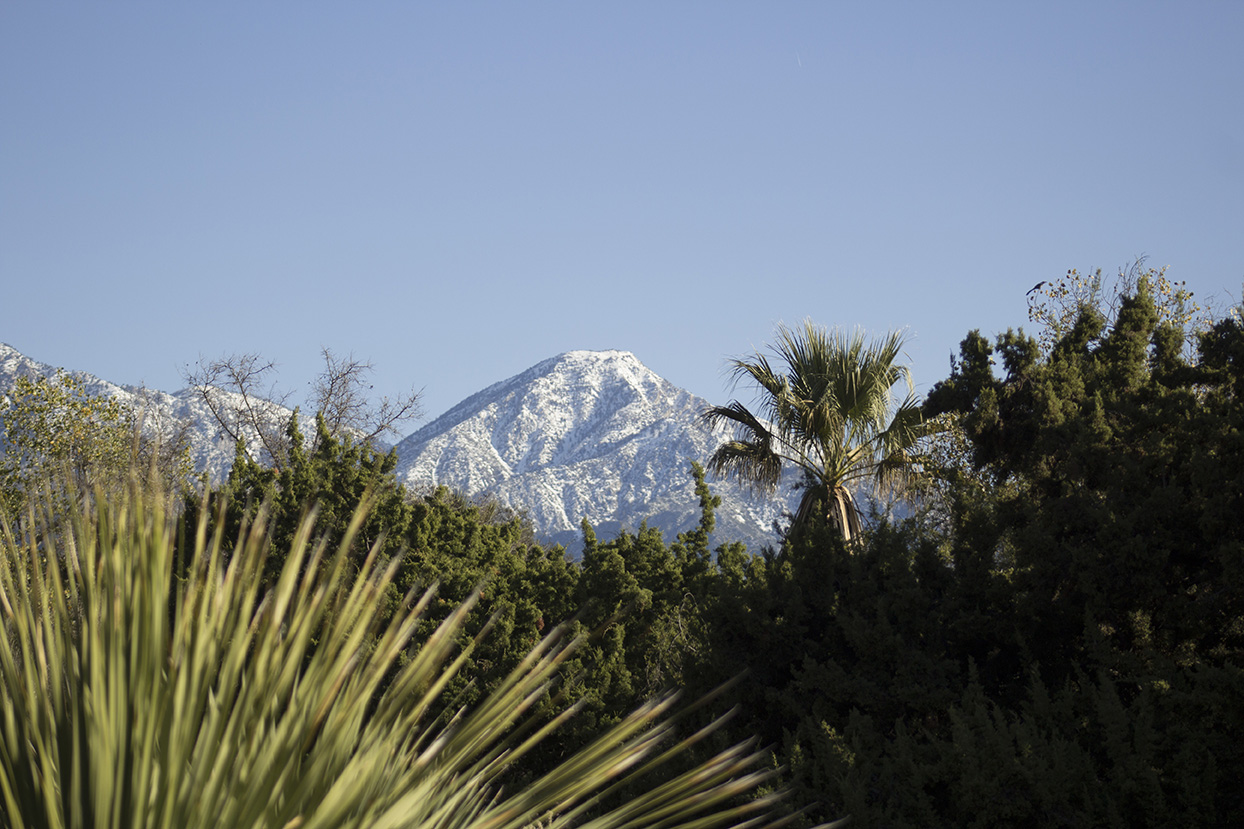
(340, 396)
(232, 389)
(249, 410)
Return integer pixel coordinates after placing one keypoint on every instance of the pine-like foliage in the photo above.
(1061, 644)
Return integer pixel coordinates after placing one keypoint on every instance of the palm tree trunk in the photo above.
(840, 511)
(843, 514)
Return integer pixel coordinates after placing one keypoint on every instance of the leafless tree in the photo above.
(233, 389)
(340, 394)
(162, 442)
(247, 406)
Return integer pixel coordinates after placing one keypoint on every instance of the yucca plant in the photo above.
(142, 691)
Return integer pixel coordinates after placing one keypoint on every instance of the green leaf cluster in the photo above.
(52, 427)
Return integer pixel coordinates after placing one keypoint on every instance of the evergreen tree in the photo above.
(1116, 519)
(1062, 647)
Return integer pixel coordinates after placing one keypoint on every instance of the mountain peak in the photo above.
(583, 361)
(585, 434)
(582, 355)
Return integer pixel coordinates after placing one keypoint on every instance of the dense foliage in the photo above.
(1059, 642)
(1053, 638)
(135, 695)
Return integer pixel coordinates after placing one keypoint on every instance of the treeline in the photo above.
(1057, 640)
(1054, 638)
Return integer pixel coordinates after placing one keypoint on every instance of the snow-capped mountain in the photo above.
(593, 435)
(162, 413)
(585, 434)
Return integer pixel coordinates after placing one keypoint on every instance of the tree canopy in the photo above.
(827, 408)
(51, 427)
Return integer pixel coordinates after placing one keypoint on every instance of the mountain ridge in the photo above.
(161, 412)
(583, 434)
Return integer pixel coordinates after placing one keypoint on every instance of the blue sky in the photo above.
(458, 191)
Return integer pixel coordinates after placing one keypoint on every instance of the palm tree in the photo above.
(828, 409)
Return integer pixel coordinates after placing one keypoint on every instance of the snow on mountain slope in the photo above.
(162, 413)
(585, 434)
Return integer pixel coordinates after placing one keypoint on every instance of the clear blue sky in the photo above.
(458, 191)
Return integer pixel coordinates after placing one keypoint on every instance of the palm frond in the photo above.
(828, 400)
(751, 456)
